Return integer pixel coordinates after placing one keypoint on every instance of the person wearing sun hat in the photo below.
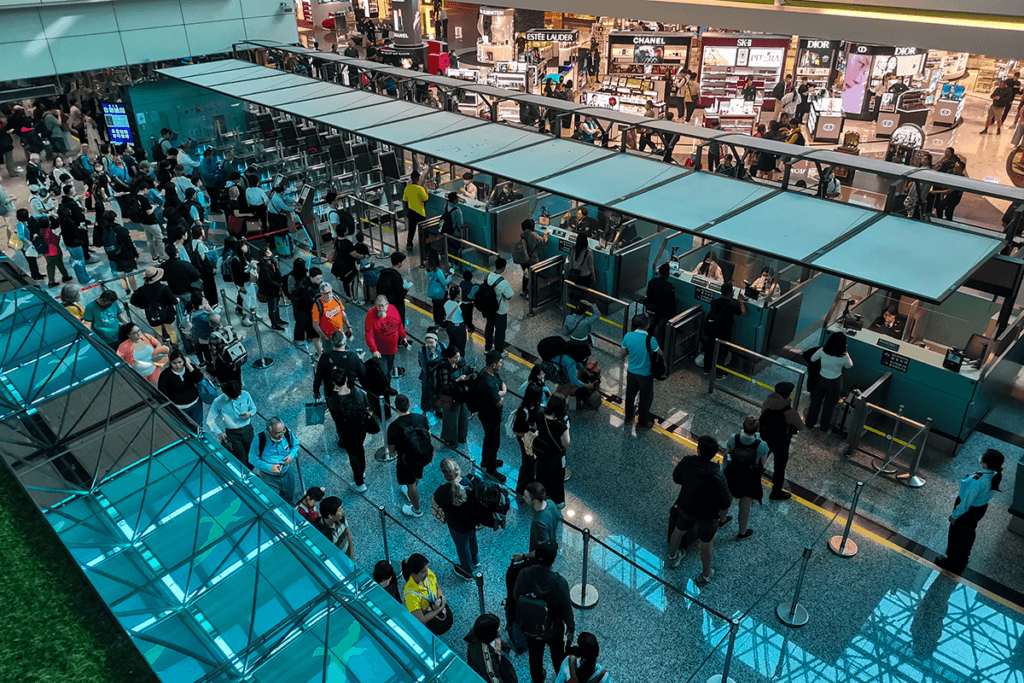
(157, 302)
(779, 423)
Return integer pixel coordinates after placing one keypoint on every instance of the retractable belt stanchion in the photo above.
(583, 595)
(479, 578)
(384, 531)
(264, 361)
(792, 613)
(911, 478)
(724, 676)
(382, 453)
(842, 545)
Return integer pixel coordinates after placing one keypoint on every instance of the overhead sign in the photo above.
(553, 35)
(647, 38)
(885, 50)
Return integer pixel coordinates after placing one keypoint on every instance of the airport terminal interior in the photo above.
(229, 224)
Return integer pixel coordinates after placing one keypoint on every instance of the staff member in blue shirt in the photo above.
(256, 199)
(280, 207)
(971, 505)
(272, 454)
(230, 418)
(638, 373)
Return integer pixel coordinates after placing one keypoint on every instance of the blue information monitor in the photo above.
(118, 127)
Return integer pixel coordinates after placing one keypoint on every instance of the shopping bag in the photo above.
(315, 412)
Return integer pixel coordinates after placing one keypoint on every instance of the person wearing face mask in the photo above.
(230, 418)
(891, 323)
(181, 386)
(429, 357)
(272, 454)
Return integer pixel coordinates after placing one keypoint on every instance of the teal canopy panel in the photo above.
(692, 201)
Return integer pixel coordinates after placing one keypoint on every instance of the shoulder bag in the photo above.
(659, 369)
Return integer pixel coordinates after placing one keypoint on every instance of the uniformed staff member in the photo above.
(971, 505)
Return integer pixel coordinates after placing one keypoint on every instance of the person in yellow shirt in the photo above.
(415, 198)
(423, 597)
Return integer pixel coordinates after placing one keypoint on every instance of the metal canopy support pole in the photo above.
(842, 545)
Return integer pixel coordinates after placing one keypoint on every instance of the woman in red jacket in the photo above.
(53, 254)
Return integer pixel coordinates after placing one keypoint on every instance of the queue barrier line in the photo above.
(744, 377)
(377, 225)
(602, 319)
(470, 264)
(890, 437)
(813, 507)
(274, 232)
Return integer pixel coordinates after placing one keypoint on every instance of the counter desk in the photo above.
(749, 331)
(919, 382)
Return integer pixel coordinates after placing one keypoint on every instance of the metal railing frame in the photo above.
(594, 296)
(719, 344)
(690, 314)
(906, 474)
(555, 263)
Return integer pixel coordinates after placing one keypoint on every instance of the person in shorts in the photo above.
(409, 475)
(703, 501)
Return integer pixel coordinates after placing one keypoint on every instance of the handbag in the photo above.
(444, 402)
(442, 623)
(372, 426)
(315, 412)
(659, 370)
(528, 438)
(207, 392)
(261, 297)
(15, 242)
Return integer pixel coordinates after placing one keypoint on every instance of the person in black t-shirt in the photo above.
(718, 324)
(449, 506)
(490, 395)
(660, 302)
(409, 474)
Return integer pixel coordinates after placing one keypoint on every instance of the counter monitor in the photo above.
(954, 360)
(633, 82)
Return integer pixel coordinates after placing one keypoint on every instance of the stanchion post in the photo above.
(384, 531)
(724, 676)
(227, 306)
(792, 613)
(582, 595)
(263, 362)
(911, 478)
(842, 545)
(479, 578)
(382, 454)
(714, 364)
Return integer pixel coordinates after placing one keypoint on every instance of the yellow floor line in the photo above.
(871, 535)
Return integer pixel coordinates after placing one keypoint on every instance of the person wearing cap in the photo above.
(780, 422)
(41, 204)
(104, 316)
(430, 358)
(542, 582)
(486, 653)
(158, 303)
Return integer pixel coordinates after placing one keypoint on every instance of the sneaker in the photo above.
(246, 322)
(360, 487)
(780, 495)
(745, 535)
(728, 519)
(720, 376)
(646, 425)
(677, 559)
(405, 490)
(999, 131)
(504, 354)
(411, 511)
(496, 476)
(463, 573)
(702, 580)
(983, 132)
(67, 278)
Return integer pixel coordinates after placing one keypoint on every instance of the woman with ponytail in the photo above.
(971, 505)
(449, 505)
(580, 664)
(423, 597)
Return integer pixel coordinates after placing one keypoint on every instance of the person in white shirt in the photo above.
(230, 418)
(468, 186)
(834, 359)
(972, 503)
(497, 324)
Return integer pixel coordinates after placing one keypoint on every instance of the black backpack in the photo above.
(487, 298)
(157, 312)
(447, 224)
(157, 151)
(131, 208)
(111, 243)
(226, 263)
(773, 425)
(532, 615)
(417, 448)
(77, 170)
(511, 576)
(490, 501)
(263, 442)
(744, 454)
